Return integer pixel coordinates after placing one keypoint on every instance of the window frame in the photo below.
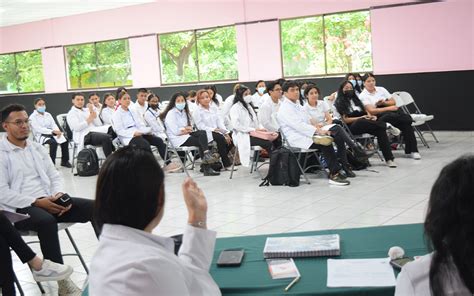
(16, 74)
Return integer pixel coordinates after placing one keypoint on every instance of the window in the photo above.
(329, 44)
(99, 64)
(21, 72)
(200, 55)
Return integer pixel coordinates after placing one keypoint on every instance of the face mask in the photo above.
(154, 106)
(359, 82)
(180, 106)
(302, 92)
(353, 82)
(41, 109)
(248, 99)
(349, 93)
(261, 90)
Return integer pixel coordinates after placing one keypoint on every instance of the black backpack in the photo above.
(87, 163)
(356, 163)
(284, 169)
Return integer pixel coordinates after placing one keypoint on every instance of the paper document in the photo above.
(360, 273)
(60, 139)
(15, 217)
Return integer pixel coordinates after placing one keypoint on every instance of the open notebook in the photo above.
(302, 246)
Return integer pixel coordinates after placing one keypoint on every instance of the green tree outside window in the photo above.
(21, 72)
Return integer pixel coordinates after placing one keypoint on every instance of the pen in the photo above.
(292, 283)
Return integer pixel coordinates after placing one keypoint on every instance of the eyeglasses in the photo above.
(19, 123)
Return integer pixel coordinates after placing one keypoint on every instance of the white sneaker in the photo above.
(68, 288)
(391, 164)
(172, 167)
(393, 130)
(415, 155)
(51, 271)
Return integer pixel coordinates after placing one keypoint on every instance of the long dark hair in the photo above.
(449, 224)
(356, 86)
(172, 104)
(130, 189)
(239, 98)
(106, 95)
(214, 96)
(343, 102)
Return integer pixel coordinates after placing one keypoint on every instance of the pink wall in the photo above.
(145, 72)
(55, 73)
(424, 38)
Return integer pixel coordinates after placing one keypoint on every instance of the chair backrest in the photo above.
(398, 99)
(62, 123)
(406, 97)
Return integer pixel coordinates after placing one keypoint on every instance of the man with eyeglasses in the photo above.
(30, 184)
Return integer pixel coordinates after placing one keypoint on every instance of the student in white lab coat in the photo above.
(319, 115)
(108, 109)
(268, 110)
(449, 230)
(181, 131)
(86, 126)
(297, 128)
(130, 259)
(140, 105)
(258, 98)
(215, 97)
(191, 100)
(152, 117)
(208, 119)
(245, 122)
(94, 100)
(46, 131)
(228, 103)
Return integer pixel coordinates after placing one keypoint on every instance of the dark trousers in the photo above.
(223, 148)
(53, 148)
(100, 139)
(403, 122)
(146, 140)
(46, 225)
(198, 139)
(10, 238)
(341, 138)
(376, 128)
(329, 154)
(265, 144)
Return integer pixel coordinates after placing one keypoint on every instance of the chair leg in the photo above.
(422, 138)
(40, 286)
(431, 132)
(18, 286)
(71, 239)
(73, 158)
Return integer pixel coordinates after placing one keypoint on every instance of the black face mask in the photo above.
(349, 93)
(154, 106)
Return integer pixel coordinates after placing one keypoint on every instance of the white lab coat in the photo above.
(152, 119)
(76, 119)
(208, 120)
(126, 123)
(175, 121)
(129, 261)
(243, 125)
(140, 110)
(295, 124)
(258, 100)
(106, 115)
(12, 176)
(42, 124)
(228, 103)
(267, 113)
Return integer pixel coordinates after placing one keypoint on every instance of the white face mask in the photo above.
(248, 99)
(261, 90)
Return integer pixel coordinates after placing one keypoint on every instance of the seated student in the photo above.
(297, 128)
(46, 131)
(130, 260)
(258, 98)
(246, 127)
(215, 97)
(319, 116)
(359, 121)
(449, 229)
(379, 102)
(152, 117)
(94, 100)
(207, 119)
(119, 90)
(130, 131)
(86, 127)
(140, 105)
(42, 270)
(228, 103)
(108, 109)
(302, 85)
(351, 77)
(269, 108)
(180, 131)
(30, 184)
(191, 99)
(359, 81)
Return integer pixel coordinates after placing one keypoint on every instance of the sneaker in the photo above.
(415, 155)
(323, 140)
(338, 179)
(393, 130)
(172, 167)
(66, 164)
(391, 164)
(68, 288)
(51, 271)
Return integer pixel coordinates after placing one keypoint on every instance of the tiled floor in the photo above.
(382, 196)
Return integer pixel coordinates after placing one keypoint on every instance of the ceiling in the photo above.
(14, 12)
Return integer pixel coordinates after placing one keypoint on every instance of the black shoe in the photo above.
(208, 158)
(66, 164)
(348, 171)
(338, 179)
(208, 171)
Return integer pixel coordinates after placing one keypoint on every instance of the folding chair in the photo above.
(364, 139)
(254, 160)
(187, 150)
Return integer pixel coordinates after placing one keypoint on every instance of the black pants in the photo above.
(100, 139)
(198, 139)
(53, 148)
(329, 154)
(223, 148)
(10, 238)
(403, 122)
(265, 144)
(376, 128)
(46, 225)
(341, 138)
(146, 140)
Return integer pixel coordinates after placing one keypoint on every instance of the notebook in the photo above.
(302, 246)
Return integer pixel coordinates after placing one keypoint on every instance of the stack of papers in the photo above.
(360, 273)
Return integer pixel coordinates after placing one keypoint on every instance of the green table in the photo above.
(253, 278)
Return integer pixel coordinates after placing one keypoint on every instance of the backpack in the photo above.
(284, 169)
(356, 163)
(87, 163)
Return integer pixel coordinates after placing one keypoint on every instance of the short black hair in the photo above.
(142, 90)
(77, 94)
(130, 189)
(9, 109)
(38, 100)
(258, 82)
(271, 85)
(309, 87)
(367, 76)
(93, 94)
(288, 84)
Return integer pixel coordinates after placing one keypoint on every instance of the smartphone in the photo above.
(400, 262)
(230, 257)
(64, 201)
